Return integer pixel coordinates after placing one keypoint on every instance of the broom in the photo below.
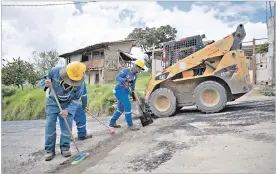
(80, 156)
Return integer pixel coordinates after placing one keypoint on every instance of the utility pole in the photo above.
(153, 61)
(254, 61)
(274, 46)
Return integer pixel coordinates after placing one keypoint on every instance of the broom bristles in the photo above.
(80, 157)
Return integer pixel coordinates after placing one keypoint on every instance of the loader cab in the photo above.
(173, 51)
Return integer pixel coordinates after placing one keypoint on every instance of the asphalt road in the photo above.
(23, 142)
(239, 139)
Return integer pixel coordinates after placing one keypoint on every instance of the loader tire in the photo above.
(210, 97)
(162, 102)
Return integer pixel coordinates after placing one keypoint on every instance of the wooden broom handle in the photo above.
(137, 98)
(67, 125)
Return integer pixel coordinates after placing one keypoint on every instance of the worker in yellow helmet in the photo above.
(68, 83)
(126, 79)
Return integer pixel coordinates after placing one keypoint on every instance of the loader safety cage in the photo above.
(173, 51)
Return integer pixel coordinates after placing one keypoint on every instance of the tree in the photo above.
(45, 61)
(148, 37)
(18, 73)
(262, 48)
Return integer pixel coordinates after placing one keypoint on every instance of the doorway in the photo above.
(97, 79)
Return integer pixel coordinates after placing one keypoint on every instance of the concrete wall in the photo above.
(76, 58)
(92, 76)
(156, 66)
(109, 75)
(113, 54)
(156, 61)
(262, 71)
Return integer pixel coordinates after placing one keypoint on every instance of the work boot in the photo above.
(49, 156)
(115, 125)
(133, 128)
(85, 137)
(66, 153)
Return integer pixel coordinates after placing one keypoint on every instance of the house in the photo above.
(103, 60)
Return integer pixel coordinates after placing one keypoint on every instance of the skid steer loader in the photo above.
(207, 76)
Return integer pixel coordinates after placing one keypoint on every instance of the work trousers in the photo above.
(80, 119)
(52, 113)
(123, 106)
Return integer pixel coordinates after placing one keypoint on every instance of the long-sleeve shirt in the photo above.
(125, 74)
(69, 100)
(84, 96)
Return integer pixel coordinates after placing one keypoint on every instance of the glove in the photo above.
(129, 80)
(133, 96)
(84, 108)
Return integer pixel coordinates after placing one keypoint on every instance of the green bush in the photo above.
(7, 91)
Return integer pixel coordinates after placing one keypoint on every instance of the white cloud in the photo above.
(26, 29)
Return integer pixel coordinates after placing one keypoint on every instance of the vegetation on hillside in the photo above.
(30, 103)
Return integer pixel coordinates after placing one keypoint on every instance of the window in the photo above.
(68, 60)
(97, 53)
(84, 58)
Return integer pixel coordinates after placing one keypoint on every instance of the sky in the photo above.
(70, 27)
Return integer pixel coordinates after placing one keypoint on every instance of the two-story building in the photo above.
(103, 60)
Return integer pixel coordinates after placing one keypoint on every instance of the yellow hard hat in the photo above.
(75, 70)
(140, 63)
(73, 73)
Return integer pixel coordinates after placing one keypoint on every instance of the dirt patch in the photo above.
(33, 157)
(96, 154)
(156, 156)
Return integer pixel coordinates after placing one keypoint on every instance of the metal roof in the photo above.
(93, 47)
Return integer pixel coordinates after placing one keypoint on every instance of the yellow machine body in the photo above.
(177, 84)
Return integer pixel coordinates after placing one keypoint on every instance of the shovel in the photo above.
(146, 117)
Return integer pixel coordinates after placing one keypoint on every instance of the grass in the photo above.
(30, 103)
(267, 91)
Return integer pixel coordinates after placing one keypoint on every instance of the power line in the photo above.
(36, 5)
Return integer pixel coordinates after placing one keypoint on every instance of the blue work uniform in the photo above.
(68, 100)
(121, 93)
(80, 116)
